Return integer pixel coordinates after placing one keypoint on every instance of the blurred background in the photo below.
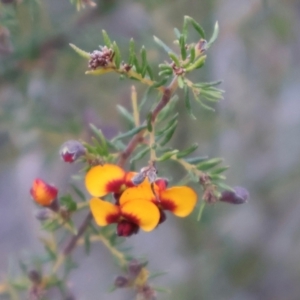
(246, 252)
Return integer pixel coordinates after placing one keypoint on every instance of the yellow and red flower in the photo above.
(129, 216)
(180, 200)
(43, 193)
(136, 206)
(108, 178)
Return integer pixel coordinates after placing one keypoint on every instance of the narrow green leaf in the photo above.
(117, 57)
(82, 53)
(177, 33)
(192, 55)
(126, 114)
(185, 28)
(160, 83)
(132, 54)
(145, 98)
(167, 155)
(182, 45)
(165, 67)
(209, 164)
(197, 64)
(106, 39)
(129, 133)
(219, 170)
(149, 122)
(166, 72)
(201, 209)
(98, 133)
(214, 35)
(196, 160)
(198, 28)
(169, 124)
(168, 135)
(180, 81)
(202, 104)
(150, 72)
(207, 84)
(187, 151)
(215, 177)
(140, 155)
(162, 45)
(137, 64)
(174, 58)
(144, 61)
(187, 102)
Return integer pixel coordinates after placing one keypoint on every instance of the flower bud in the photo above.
(43, 193)
(162, 183)
(121, 281)
(71, 151)
(138, 178)
(126, 228)
(34, 276)
(134, 268)
(239, 196)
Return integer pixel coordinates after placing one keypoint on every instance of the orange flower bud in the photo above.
(43, 193)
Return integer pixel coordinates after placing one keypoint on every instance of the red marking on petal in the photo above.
(126, 228)
(132, 218)
(114, 186)
(168, 204)
(112, 219)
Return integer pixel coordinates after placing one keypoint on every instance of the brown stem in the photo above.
(73, 241)
(138, 138)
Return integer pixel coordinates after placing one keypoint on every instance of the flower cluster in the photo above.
(135, 207)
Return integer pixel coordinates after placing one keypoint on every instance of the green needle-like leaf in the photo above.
(163, 45)
(82, 53)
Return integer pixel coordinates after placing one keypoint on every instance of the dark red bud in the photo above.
(121, 281)
(239, 196)
(162, 183)
(71, 151)
(126, 228)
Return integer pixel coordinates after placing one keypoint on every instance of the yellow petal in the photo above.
(101, 180)
(140, 192)
(141, 212)
(180, 200)
(104, 212)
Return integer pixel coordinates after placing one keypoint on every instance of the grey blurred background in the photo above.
(243, 252)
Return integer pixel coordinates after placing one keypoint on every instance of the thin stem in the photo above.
(72, 243)
(138, 138)
(135, 106)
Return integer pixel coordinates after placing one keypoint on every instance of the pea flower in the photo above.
(71, 150)
(108, 178)
(43, 193)
(130, 216)
(180, 200)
